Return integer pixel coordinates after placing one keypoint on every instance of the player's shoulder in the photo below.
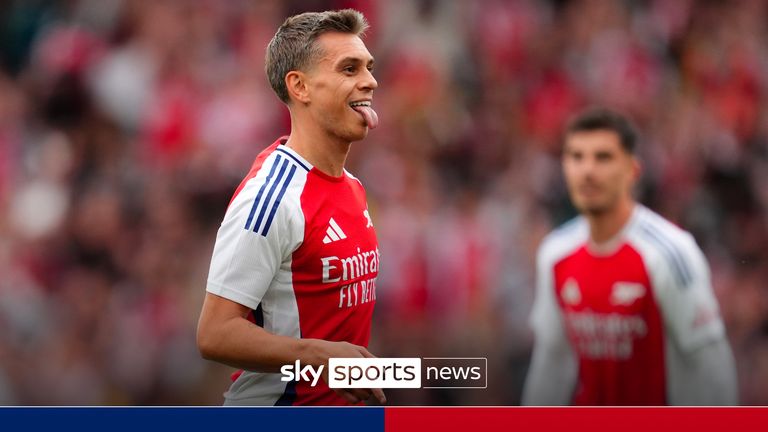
(353, 179)
(275, 169)
(272, 189)
(661, 240)
(564, 240)
(660, 232)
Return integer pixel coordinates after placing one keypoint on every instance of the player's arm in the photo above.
(225, 335)
(707, 375)
(551, 378)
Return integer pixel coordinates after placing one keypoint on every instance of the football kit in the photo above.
(298, 248)
(628, 311)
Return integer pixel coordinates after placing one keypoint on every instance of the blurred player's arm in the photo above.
(707, 377)
(551, 378)
(706, 374)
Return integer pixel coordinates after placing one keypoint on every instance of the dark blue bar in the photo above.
(261, 191)
(279, 198)
(205, 419)
(293, 157)
(269, 196)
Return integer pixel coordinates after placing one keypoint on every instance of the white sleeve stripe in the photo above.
(673, 254)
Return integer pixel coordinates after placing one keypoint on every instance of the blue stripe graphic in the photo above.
(293, 157)
(257, 224)
(261, 191)
(683, 275)
(202, 419)
(277, 201)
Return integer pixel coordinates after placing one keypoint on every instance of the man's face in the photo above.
(598, 171)
(341, 78)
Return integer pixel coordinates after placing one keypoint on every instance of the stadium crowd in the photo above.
(125, 126)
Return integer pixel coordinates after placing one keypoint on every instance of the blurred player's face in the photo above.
(340, 87)
(598, 171)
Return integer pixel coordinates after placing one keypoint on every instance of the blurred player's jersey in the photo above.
(629, 309)
(297, 247)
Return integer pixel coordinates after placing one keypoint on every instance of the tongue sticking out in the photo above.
(370, 116)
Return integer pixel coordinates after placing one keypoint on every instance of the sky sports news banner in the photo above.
(404, 373)
(429, 372)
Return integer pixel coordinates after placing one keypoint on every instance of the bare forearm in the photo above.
(226, 336)
(239, 343)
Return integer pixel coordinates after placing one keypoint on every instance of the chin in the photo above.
(362, 135)
(594, 209)
(588, 207)
(355, 135)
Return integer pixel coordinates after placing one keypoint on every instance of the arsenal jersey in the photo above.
(298, 247)
(628, 310)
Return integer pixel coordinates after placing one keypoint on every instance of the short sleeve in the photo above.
(684, 291)
(255, 238)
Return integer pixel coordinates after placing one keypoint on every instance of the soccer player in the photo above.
(293, 271)
(624, 311)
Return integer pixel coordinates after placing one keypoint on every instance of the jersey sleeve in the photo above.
(254, 240)
(552, 374)
(546, 321)
(687, 301)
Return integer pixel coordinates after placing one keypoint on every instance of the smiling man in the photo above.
(624, 311)
(293, 274)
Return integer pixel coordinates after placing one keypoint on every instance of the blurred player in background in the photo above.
(293, 271)
(624, 311)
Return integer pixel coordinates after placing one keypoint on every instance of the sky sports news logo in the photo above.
(428, 372)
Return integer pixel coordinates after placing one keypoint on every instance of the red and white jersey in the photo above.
(297, 247)
(629, 311)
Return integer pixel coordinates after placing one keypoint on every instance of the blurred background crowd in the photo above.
(125, 126)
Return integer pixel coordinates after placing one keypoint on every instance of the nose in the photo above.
(588, 168)
(368, 82)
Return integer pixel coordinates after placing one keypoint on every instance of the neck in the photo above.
(326, 153)
(604, 226)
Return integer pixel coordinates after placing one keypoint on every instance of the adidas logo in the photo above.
(333, 233)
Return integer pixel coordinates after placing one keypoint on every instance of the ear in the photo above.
(637, 169)
(297, 85)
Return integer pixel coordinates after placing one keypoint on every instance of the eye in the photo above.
(349, 69)
(604, 157)
(574, 155)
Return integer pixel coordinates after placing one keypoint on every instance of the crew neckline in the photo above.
(329, 177)
(282, 147)
(311, 168)
(612, 245)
